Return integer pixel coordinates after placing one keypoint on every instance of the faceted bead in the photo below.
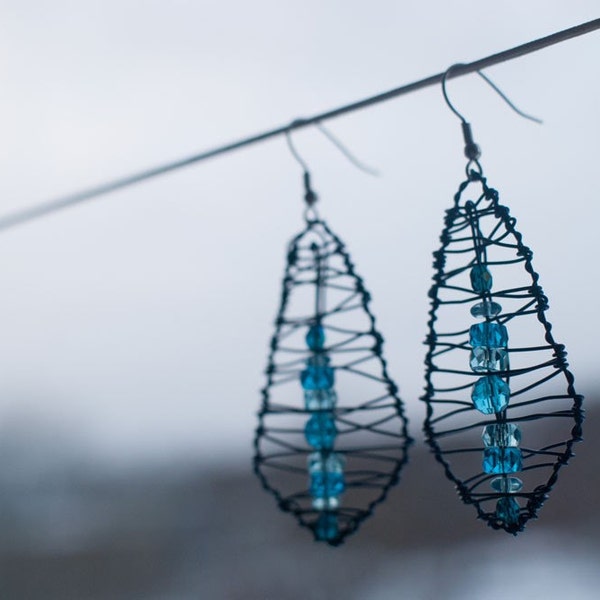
(489, 335)
(481, 279)
(326, 485)
(479, 360)
(502, 460)
(506, 485)
(315, 338)
(334, 463)
(320, 431)
(327, 526)
(330, 503)
(320, 399)
(330, 462)
(501, 435)
(315, 462)
(317, 378)
(498, 359)
(490, 394)
(486, 309)
(488, 359)
(507, 510)
(317, 375)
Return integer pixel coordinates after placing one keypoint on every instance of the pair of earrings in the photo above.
(332, 435)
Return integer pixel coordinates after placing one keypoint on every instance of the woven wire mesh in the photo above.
(321, 286)
(542, 394)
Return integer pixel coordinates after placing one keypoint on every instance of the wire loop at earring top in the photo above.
(474, 170)
(311, 214)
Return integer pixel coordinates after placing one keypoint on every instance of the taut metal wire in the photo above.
(57, 204)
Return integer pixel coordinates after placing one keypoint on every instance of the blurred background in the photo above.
(134, 329)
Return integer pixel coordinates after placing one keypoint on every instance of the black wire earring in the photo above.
(332, 434)
(500, 398)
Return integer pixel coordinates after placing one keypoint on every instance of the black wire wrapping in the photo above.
(371, 426)
(538, 401)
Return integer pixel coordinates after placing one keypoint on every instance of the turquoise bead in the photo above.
(320, 431)
(325, 485)
(502, 460)
(326, 503)
(506, 485)
(317, 375)
(315, 338)
(501, 435)
(486, 309)
(327, 481)
(320, 399)
(488, 335)
(481, 279)
(507, 510)
(330, 462)
(327, 526)
(483, 360)
(490, 394)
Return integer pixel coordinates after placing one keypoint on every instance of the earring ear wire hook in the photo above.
(310, 196)
(492, 85)
(472, 150)
(336, 142)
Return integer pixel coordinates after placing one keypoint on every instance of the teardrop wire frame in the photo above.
(447, 395)
(372, 433)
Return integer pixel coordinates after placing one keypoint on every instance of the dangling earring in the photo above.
(502, 411)
(332, 434)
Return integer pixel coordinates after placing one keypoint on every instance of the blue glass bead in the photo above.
(317, 375)
(502, 460)
(320, 399)
(316, 462)
(320, 431)
(481, 279)
(479, 359)
(315, 338)
(327, 481)
(502, 435)
(327, 503)
(483, 360)
(506, 485)
(490, 394)
(486, 309)
(325, 485)
(327, 526)
(507, 510)
(332, 462)
(489, 335)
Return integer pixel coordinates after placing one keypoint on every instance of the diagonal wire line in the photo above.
(57, 204)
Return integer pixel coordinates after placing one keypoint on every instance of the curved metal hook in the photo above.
(336, 142)
(472, 150)
(292, 148)
(310, 195)
(333, 139)
(492, 85)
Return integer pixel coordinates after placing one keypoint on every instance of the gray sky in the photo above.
(139, 323)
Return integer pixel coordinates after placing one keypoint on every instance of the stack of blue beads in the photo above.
(491, 394)
(325, 467)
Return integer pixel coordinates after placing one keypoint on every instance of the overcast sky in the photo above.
(139, 323)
